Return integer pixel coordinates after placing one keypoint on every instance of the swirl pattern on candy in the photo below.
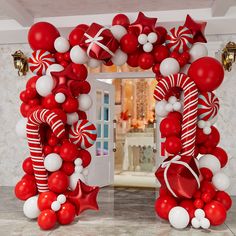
(83, 134)
(39, 61)
(179, 40)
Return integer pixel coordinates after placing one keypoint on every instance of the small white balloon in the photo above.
(211, 162)
(73, 180)
(160, 108)
(72, 118)
(205, 223)
(147, 47)
(78, 55)
(61, 198)
(201, 124)
(197, 51)
(54, 68)
(177, 106)
(169, 107)
(169, 66)
(44, 85)
(142, 39)
(152, 37)
(78, 161)
(21, 128)
(52, 162)
(221, 181)
(93, 63)
(178, 217)
(119, 58)
(85, 102)
(30, 207)
(199, 214)
(195, 223)
(61, 45)
(118, 31)
(55, 206)
(60, 97)
(172, 100)
(207, 130)
(78, 169)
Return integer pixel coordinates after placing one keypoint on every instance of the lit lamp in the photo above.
(228, 55)
(20, 62)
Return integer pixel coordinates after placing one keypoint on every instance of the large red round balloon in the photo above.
(66, 214)
(80, 71)
(46, 199)
(129, 43)
(27, 166)
(207, 187)
(170, 127)
(68, 151)
(47, 219)
(85, 156)
(163, 206)
(213, 138)
(173, 145)
(145, 60)
(49, 102)
(24, 109)
(58, 182)
(160, 52)
(215, 212)
(133, 59)
(76, 34)
(189, 207)
(68, 167)
(221, 156)
(121, 19)
(42, 36)
(25, 189)
(70, 105)
(207, 73)
(200, 136)
(224, 198)
(31, 83)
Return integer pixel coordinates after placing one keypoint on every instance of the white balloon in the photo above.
(152, 37)
(169, 107)
(74, 179)
(172, 100)
(60, 97)
(85, 102)
(61, 198)
(169, 66)
(147, 47)
(30, 208)
(118, 31)
(142, 39)
(93, 63)
(78, 161)
(54, 68)
(44, 85)
(178, 217)
(177, 106)
(78, 55)
(61, 45)
(55, 206)
(160, 108)
(52, 162)
(221, 181)
(119, 58)
(195, 223)
(21, 128)
(79, 169)
(72, 118)
(199, 214)
(211, 162)
(197, 51)
(201, 124)
(207, 130)
(205, 223)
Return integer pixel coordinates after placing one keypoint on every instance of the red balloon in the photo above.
(163, 191)
(46, 199)
(175, 115)
(61, 114)
(68, 167)
(133, 58)
(161, 33)
(145, 60)
(30, 93)
(47, 219)
(23, 96)
(57, 149)
(59, 57)
(53, 141)
(66, 56)
(68, 151)
(82, 115)
(70, 105)
(206, 197)
(58, 182)
(221, 155)
(47, 150)
(213, 138)
(33, 102)
(27, 166)
(64, 63)
(121, 19)
(163, 206)
(25, 189)
(42, 36)
(28, 177)
(76, 34)
(156, 69)
(197, 194)
(84, 87)
(173, 145)
(189, 207)
(224, 198)
(170, 127)
(85, 156)
(129, 43)
(198, 203)
(31, 83)
(200, 136)
(206, 173)
(24, 109)
(80, 71)
(207, 187)
(49, 102)
(160, 52)
(215, 213)
(66, 214)
(207, 73)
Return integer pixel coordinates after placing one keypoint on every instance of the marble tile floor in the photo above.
(123, 212)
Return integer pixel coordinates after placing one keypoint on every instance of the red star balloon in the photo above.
(143, 24)
(83, 197)
(197, 29)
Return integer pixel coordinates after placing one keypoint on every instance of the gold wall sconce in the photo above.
(228, 55)
(20, 62)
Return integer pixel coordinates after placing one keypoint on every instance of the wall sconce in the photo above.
(228, 55)
(20, 62)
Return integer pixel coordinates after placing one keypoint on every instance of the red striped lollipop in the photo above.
(208, 106)
(179, 40)
(40, 61)
(37, 118)
(83, 134)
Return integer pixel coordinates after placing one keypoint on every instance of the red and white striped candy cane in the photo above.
(189, 122)
(37, 118)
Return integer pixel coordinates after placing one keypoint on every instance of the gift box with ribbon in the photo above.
(99, 42)
(179, 175)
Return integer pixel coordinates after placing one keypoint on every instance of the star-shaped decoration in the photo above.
(143, 24)
(83, 197)
(197, 29)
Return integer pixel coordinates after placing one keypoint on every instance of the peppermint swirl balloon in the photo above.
(83, 134)
(39, 61)
(208, 106)
(179, 40)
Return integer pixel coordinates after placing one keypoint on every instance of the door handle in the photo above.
(114, 135)
(154, 149)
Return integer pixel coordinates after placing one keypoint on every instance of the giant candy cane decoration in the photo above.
(34, 142)
(189, 122)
